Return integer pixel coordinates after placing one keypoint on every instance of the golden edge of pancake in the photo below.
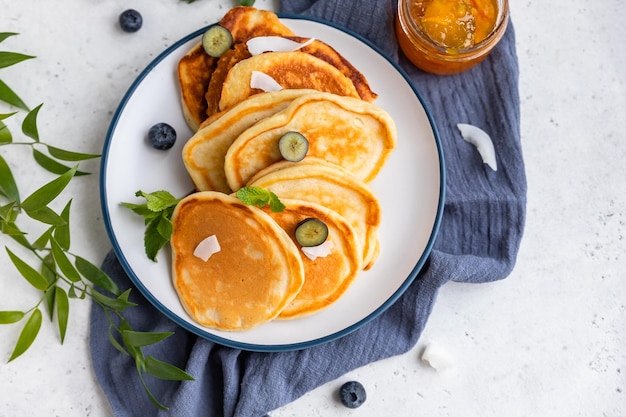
(314, 187)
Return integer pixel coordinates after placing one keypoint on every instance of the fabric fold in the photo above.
(478, 241)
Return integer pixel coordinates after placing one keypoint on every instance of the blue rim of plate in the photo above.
(250, 346)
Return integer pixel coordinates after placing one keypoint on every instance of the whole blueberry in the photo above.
(162, 136)
(352, 394)
(131, 20)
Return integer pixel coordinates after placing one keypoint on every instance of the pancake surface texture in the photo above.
(196, 68)
(327, 278)
(256, 273)
(349, 132)
(204, 153)
(290, 70)
(332, 187)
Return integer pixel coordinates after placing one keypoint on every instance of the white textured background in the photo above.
(547, 341)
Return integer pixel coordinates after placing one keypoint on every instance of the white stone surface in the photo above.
(547, 341)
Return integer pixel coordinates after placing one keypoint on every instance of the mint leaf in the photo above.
(255, 196)
(157, 213)
(158, 200)
(275, 204)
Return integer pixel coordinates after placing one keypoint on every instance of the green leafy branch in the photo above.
(59, 275)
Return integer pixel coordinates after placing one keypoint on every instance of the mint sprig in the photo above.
(157, 212)
(59, 275)
(255, 196)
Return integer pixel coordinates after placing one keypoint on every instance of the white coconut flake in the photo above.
(319, 251)
(436, 357)
(264, 82)
(207, 248)
(482, 141)
(262, 44)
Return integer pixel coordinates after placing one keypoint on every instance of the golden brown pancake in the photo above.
(194, 71)
(254, 276)
(196, 68)
(290, 69)
(224, 64)
(327, 184)
(247, 22)
(350, 132)
(325, 278)
(203, 155)
(324, 51)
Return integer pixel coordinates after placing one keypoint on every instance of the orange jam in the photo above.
(449, 36)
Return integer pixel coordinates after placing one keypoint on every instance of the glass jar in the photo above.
(465, 32)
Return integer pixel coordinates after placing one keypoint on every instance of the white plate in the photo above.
(410, 188)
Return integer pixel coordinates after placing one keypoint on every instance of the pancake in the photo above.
(332, 187)
(324, 51)
(357, 135)
(325, 278)
(248, 22)
(203, 155)
(290, 70)
(195, 69)
(254, 276)
(194, 75)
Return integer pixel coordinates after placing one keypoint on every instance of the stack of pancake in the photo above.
(259, 272)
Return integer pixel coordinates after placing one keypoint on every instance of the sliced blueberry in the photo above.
(162, 136)
(130, 20)
(352, 394)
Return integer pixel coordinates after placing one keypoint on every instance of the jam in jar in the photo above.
(449, 36)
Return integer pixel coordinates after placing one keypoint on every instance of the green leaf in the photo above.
(116, 304)
(115, 343)
(166, 371)
(11, 229)
(8, 96)
(255, 196)
(49, 269)
(96, 275)
(5, 134)
(63, 262)
(153, 241)
(28, 334)
(42, 241)
(69, 155)
(8, 187)
(147, 390)
(29, 273)
(52, 165)
(62, 232)
(8, 212)
(9, 317)
(134, 351)
(6, 115)
(46, 215)
(140, 209)
(72, 292)
(50, 297)
(276, 205)
(19, 237)
(29, 125)
(63, 311)
(248, 3)
(11, 58)
(4, 35)
(158, 200)
(165, 228)
(44, 195)
(139, 339)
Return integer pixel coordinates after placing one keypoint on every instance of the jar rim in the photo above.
(498, 28)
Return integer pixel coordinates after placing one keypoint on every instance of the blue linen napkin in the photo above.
(478, 241)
